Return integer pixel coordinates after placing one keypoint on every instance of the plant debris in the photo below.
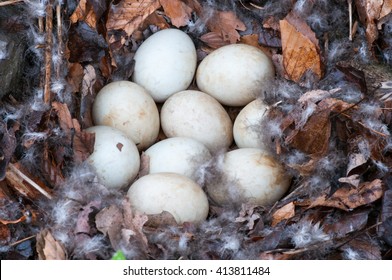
(329, 123)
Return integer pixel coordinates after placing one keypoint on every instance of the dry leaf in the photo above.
(301, 51)
(352, 180)
(122, 226)
(247, 214)
(311, 135)
(144, 165)
(341, 225)
(75, 76)
(156, 19)
(84, 12)
(5, 234)
(177, 11)
(87, 96)
(370, 13)
(226, 24)
(253, 40)
(82, 142)
(350, 198)
(48, 248)
(164, 218)
(127, 15)
(213, 39)
(364, 247)
(7, 147)
(385, 229)
(283, 213)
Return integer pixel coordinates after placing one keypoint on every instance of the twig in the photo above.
(28, 180)
(48, 52)
(10, 2)
(21, 241)
(350, 17)
(59, 38)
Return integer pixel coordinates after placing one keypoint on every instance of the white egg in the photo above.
(115, 157)
(197, 115)
(248, 175)
(129, 108)
(171, 192)
(165, 63)
(247, 128)
(179, 155)
(235, 74)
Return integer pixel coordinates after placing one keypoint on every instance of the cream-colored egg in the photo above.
(129, 108)
(235, 74)
(115, 157)
(248, 175)
(197, 115)
(171, 192)
(247, 128)
(165, 63)
(179, 155)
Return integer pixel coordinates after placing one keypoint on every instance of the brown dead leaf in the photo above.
(75, 76)
(248, 214)
(7, 147)
(164, 218)
(226, 24)
(350, 198)
(370, 13)
(127, 15)
(313, 138)
(284, 213)
(82, 142)
(177, 11)
(301, 51)
(5, 234)
(355, 161)
(156, 19)
(144, 165)
(311, 134)
(213, 39)
(84, 12)
(253, 40)
(135, 222)
(352, 180)
(122, 226)
(341, 225)
(49, 248)
(363, 248)
(87, 97)
(385, 229)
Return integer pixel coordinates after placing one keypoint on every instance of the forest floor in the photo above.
(329, 124)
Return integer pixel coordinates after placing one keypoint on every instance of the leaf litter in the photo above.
(329, 124)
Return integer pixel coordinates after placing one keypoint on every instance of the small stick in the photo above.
(59, 38)
(48, 52)
(350, 17)
(22, 240)
(28, 180)
(10, 2)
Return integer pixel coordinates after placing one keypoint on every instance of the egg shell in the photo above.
(115, 157)
(248, 175)
(247, 128)
(235, 74)
(179, 155)
(197, 115)
(171, 192)
(165, 63)
(129, 108)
